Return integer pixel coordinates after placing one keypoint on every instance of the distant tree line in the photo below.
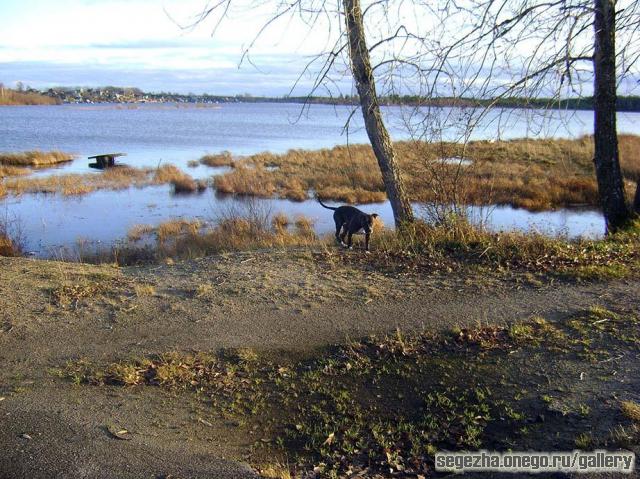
(113, 94)
(123, 95)
(624, 103)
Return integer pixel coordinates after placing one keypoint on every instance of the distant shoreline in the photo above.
(129, 96)
(626, 104)
(134, 96)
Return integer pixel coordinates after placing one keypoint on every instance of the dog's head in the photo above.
(372, 220)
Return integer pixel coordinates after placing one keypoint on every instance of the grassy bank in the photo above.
(15, 98)
(421, 249)
(221, 159)
(462, 245)
(533, 174)
(386, 404)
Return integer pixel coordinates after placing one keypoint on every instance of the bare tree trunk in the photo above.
(378, 134)
(606, 159)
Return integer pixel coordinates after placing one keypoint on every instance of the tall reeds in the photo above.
(13, 97)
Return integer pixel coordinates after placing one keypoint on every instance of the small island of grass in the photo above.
(35, 158)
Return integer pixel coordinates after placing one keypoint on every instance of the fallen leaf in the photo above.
(205, 422)
(329, 439)
(120, 434)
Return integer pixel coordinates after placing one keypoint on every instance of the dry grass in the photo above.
(220, 159)
(182, 182)
(144, 290)
(167, 174)
(78, 184)
(137, 232)
(275, 471)
(6, 171)
(533, 174)
(281, 221)
(185, 184)
(246, 181)
(11, 240)
(117, 178)
(178, 227)
(461, 244)
(179, 238)
(35, 158)
(13, 97)
(8, 247)
(631, 410)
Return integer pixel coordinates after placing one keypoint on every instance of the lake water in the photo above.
(159, 134)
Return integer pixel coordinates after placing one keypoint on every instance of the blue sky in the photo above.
(140, 43)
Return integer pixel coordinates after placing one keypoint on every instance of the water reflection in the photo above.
(51, 221)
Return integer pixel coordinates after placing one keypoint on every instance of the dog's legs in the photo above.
(339, 236)
(349, 240)
(343, 235)
(367, 236)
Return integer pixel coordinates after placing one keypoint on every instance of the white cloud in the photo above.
(144, 35)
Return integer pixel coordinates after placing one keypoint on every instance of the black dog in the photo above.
(350, 221)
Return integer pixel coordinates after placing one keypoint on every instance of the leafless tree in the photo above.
(471, 49)
(376, 130)
(498, 49)
(351, 39)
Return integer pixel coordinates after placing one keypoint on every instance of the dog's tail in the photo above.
(325, 206)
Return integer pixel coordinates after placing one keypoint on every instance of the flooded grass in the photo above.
(11, 238)
(35, 158)
(6, 171)
(116, 178)
(181, 239)
(388, 403)
(221, 159)
(532, 174)
(182, 182)
(421, 249)
(8, 246)
(137, 232)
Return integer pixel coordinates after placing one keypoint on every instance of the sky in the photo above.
(142, 43)
(147, 44)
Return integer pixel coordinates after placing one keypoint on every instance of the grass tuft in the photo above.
(221, 159)
(137, 232)
(35, 158)
(631, 410)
